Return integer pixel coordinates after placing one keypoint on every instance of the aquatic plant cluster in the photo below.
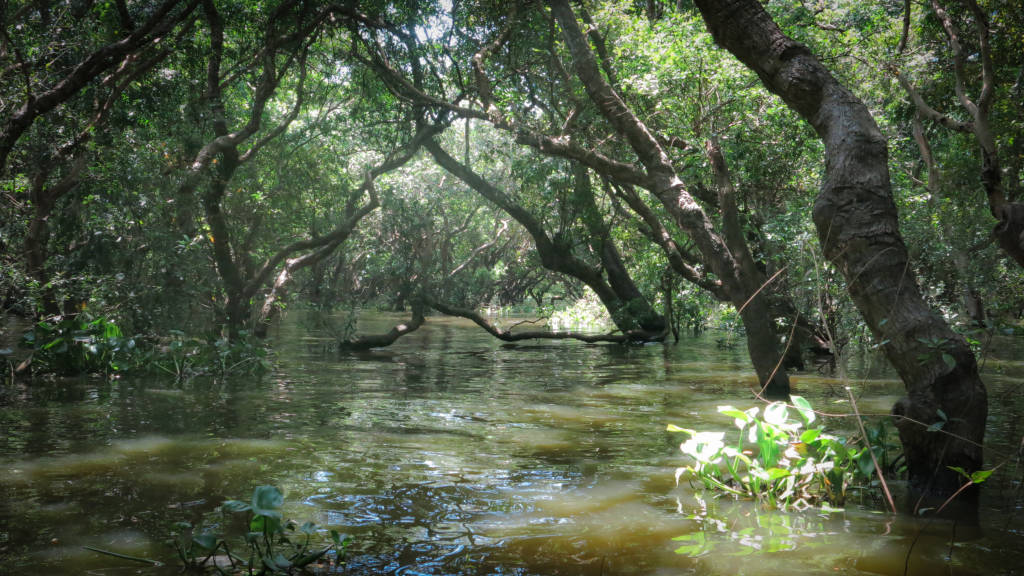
(777, 459)
(273, 545)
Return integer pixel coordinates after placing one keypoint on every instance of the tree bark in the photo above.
(600, 242)
(857, 225)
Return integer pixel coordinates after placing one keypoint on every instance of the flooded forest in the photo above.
(531, 288)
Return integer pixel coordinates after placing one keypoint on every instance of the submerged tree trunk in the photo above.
(857, 225)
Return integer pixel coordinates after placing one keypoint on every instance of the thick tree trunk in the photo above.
(237, 307)
(763, 308)
(857, 224)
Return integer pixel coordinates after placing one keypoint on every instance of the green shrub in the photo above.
(77, 344)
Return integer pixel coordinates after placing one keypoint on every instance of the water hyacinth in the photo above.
(776, 459)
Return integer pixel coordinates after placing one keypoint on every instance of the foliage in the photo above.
(778, 460)
(273, 545)
(185, 357)
(82, 344)
(585, 314)
(78, 344)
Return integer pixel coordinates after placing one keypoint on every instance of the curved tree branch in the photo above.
(509, 336)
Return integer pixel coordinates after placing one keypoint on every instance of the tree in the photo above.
(857, 227)
(54, 77)
(46, 86)
(1009, 231)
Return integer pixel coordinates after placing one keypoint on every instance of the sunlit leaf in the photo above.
(804, 408)
(980, 476)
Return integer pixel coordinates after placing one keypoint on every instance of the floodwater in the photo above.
(449, 453)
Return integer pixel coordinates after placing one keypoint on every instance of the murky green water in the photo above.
(451, 454)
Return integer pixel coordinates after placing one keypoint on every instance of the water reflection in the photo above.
(451, 454)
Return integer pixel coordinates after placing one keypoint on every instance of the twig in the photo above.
(536, 321)
(124, 556)
(763, 286)
(878, 470)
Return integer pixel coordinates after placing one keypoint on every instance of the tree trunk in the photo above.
(857, 225)
(619, 279)
(37, 237)
(510, 336)
(669, 189)
(237, 307)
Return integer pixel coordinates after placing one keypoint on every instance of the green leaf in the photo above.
(949, 360)
(206, 541)
(281, 562)
(804, 407)
(695, 544)
(53, 342)
(776, 413)
(981, 475)
(740, 418)
(810, 435)
(310, 558)
(267, 501)
(866, 465)
(769, 450)
(265, 524)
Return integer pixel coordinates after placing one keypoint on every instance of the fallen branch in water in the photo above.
(509, 336)
(360, 343)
